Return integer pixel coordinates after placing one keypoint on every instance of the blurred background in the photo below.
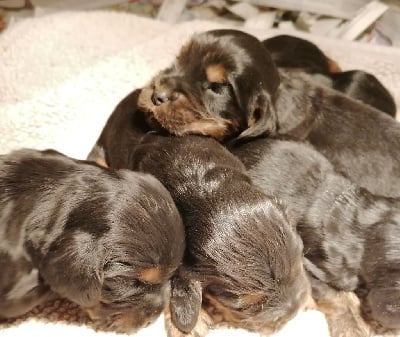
(376, 22)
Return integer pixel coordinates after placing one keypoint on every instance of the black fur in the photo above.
(362, 142)
(240, 248)
(106, 240)
(294, 53)
(351, 237)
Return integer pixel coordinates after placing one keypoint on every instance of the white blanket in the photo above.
(61, 76)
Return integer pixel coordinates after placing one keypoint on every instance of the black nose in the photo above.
(159, 97)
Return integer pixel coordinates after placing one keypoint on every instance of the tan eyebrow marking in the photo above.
(216, 73)
(151, 275)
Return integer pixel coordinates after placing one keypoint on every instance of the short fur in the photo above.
(241, 252)
(106, 240)
(294, 53)
(257, 99)
(351, 237)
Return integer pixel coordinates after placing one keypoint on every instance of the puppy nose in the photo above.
(160, 96)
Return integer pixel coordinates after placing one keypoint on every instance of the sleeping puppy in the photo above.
(106, 240)
(297, 54)
(351, 237)
(241, 252)
(224, 84)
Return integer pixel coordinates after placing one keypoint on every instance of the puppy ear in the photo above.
(261, 117)
(73, 268)
(255, 92)
(185, 303)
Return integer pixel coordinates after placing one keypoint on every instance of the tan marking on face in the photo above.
(216, 73)
(219, 312)
(217, 128)
(333, 66)
(151, 275)
(250, 299)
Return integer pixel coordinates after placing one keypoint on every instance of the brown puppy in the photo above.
(241, 252)
(106, 240)
(351, 237)
(296, 54)
(224, 84)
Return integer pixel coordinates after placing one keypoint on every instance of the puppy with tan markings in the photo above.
(107, 240)
(297, 54)
(351, 237)
(243, 260)
(253, 98)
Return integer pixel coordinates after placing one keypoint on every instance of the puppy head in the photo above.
(119, 248)
(222, 82)
(254, 278)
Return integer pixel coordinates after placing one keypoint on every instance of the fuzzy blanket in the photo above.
(61, 76)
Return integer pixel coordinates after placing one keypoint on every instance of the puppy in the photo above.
(241, 252)
(106, 240)
(224, 84)
(296, 54)
(350, 236)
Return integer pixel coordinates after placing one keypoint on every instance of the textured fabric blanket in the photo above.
(61, 76)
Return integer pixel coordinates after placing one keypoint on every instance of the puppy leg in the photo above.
(201, 329)
(342, 311)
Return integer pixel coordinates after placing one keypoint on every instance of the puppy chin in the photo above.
(265, 322)
(127, 322)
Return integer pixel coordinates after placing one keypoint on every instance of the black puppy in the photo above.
(224, 84)
(297, 54)
(241, 252)
(106, 240)
(351, 237)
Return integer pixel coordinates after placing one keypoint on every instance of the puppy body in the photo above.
(296, 54)
(366, 149)
(224, 84)
(257, 288)
(106, 240)
(350, 236)
(240, 249)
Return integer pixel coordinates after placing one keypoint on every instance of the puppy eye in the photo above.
(216, 88)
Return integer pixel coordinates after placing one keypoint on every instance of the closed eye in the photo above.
(215, 87)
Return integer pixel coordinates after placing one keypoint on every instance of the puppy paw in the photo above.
(201, 328)
(385, 306)
(342, 311)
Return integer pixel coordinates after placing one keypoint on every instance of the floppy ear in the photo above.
(185, 303)
(255, 91)
(72, 268)
(261, 116)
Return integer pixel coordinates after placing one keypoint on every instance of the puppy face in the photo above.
(267, 299)
(107, 240)
(222, 82)
(136, 256)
